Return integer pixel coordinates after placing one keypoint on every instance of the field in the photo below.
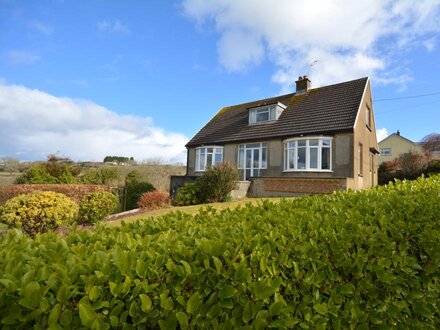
(8, 178)
(356, 260)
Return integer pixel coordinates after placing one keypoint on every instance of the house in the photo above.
(315, 140)
(395, 145)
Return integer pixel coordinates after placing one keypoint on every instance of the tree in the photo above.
(411, 163)
(431, 143)
(54, 170)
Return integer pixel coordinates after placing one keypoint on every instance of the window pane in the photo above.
(264, 158)
(210, 150)
(302, 143)
(301, 158)
(256, 158)
(218, 158)
(263, 116)
(209, 160)
(252, 145)
(241, 158)
(325, 158)
(201, 165)
(197, 159)
(313, 142)
(326, 142)
(272, 113)
(292, 144)
(248, 158)
(314, 158)
(291, 159)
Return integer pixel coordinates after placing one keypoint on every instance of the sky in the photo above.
(91, 78)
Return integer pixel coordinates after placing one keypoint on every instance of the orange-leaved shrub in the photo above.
(154, 200)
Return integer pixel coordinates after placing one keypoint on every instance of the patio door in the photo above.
(252, 164)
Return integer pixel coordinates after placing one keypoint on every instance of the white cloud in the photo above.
(349, 38)
(381, 134)
(430, 44)
(41, 27)
(115, 26)
(22, 57)
(35, 124)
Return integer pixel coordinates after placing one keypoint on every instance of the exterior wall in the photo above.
(191, 163)
(283, 187)
(365, 135)
(398, 145)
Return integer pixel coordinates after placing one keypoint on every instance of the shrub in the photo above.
(135, 188)
(102, 176)
(154, 200)
(217, 182)
(39, 211)
(54, 170)
(96, 206)
(188, 194)
(356, 260)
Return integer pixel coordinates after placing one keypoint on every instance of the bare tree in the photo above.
(431, 143)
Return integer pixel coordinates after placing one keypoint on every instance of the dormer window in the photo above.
(266, 113)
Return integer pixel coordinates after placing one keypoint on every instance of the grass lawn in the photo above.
(192, 209)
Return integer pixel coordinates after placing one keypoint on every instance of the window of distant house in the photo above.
(385, 151)
(266, 113)
(368, 116)
(308, 154)
(208, 156)
(361, 159)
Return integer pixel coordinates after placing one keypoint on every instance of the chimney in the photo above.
(302, 85)
(398, 132)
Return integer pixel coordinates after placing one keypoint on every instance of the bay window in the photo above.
(313, 154)
(207, 157)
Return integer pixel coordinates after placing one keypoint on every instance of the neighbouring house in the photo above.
(395, 145)
(315, 140)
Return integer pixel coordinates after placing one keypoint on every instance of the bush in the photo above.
(39, 212)
(188, 194)
(135, 188)
(96, 206)
(356, 260)
(102, 176)
(217, 182)
(54, 170)
(154, 200)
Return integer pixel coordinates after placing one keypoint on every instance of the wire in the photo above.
(407, 97)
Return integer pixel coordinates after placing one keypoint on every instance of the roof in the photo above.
(323, 110)
(398, 136)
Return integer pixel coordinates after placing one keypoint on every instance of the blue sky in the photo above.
(88, 79)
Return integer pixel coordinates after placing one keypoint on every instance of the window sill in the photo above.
(308, 171)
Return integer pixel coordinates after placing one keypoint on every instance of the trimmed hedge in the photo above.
(73, 191)
(361, 260)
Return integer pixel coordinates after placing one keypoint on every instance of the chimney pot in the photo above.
(398, 132)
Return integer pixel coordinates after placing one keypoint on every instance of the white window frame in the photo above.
(261, 164)
(273, 112)
(288, 150)
(385, 152)
(215, 150)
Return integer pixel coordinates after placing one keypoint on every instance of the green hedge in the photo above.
(354, 260)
